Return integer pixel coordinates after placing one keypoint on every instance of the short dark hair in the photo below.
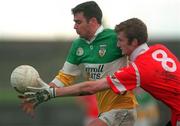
(90, 9)
(133, 28)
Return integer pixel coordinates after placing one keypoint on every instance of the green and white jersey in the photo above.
(99, 57)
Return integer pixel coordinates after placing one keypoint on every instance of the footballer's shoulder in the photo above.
(158, 46)
(106, 33)
(109, 31)
(78, 41)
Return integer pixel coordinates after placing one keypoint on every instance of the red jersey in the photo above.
(158, 72)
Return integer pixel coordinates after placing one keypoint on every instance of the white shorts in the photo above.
(119, 117)
(178, 123)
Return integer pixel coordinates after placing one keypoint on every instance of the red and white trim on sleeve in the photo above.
(125, 79)
(138, 81)
(116, 84)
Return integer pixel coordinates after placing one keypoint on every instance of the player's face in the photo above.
(81, 25)
(124, 44)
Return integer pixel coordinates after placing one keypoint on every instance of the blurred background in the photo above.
(39, 33)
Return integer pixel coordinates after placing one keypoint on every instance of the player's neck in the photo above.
(96, 30)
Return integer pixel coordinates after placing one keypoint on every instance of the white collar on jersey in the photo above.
(139, 50)
(99, 30)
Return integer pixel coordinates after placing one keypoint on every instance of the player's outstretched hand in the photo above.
(27, 107)
(35, 96)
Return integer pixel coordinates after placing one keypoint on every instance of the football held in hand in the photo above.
(24, 76)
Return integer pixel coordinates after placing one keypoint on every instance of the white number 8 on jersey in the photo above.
(164, 60)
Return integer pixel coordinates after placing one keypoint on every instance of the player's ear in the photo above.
(93, 20)
(135, 42)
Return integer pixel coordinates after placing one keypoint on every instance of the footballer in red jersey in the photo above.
(157, 71)
(154, 68)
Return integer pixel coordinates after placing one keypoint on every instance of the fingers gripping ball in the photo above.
(24, 76)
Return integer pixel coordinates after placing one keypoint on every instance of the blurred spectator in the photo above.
(147, 111)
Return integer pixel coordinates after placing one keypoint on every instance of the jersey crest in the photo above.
(79, 51)
(102, 50)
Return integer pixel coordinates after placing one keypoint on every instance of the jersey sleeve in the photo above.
(70, 70)
(66, 75)
(124, 79)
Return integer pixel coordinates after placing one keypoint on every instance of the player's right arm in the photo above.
(70, 70)
(66, 75)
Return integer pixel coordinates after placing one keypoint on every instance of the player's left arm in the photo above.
(83, 88)
(79, 89)
(118, 83)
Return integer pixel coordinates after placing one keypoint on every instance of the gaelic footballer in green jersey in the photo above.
(96, 56)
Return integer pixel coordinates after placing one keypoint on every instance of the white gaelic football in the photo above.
(24, 76)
